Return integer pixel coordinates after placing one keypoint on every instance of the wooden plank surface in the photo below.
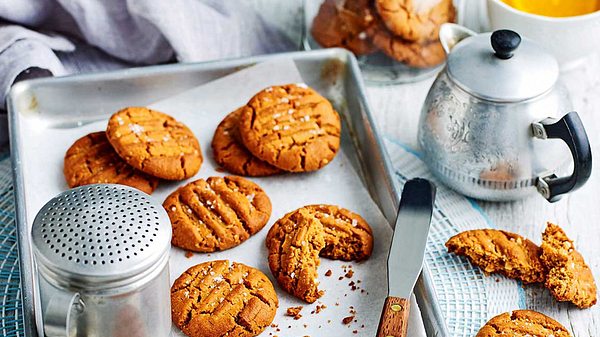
(397, 109)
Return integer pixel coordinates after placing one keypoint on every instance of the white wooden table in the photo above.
(397, 108)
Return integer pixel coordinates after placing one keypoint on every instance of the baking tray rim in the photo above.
(424, 285)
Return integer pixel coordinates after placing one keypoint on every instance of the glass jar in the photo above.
(395, 41)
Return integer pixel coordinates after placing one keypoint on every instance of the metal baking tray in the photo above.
(66, 102)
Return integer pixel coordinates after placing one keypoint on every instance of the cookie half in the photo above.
(217, 213)
(92, 160)
(344, 25)
(406, 18)
(154, 143)
(522, 323)
(223, 298)
(296, 241)
(230, 153)
(569, 277)
(347, 235)
(497, 251)
(291, 127)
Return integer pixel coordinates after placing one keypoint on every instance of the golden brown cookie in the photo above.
(291, 127)
(230, 153)
(92, 160)
(523, 323)
(217, 213)
(347, 235)
(415, 54)
(296, 241)
(223, 298)
(497, 251)
(569, 277)
(344, 24)
(154, 143)
(408, 21)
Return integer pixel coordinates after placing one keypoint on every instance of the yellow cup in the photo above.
(570, 39)
(555, 8)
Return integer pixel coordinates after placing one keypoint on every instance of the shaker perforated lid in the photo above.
(100, 233)
(502, 67)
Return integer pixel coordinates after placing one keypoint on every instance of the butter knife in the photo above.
(406, 254)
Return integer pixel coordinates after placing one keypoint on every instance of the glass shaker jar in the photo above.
(395, 41)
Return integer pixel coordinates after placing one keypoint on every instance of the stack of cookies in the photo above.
(286, 128)
(405, 30)
(139, 147)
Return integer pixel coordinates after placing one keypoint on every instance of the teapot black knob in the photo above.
(505, 42)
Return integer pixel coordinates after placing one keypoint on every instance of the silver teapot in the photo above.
(495, 119)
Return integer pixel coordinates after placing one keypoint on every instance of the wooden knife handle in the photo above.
(394, 317)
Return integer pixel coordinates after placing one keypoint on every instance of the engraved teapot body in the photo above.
(495, 119)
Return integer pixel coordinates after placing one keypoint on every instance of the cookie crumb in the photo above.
(294, 312)
(347, 320)
(328, 273)
(188, 254)
(349, 274)
(319, 308)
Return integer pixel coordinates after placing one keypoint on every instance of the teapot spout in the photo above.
(451, 34)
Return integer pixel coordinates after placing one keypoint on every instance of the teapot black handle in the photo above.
(570, 129)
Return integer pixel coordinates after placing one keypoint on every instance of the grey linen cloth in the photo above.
(72, 36)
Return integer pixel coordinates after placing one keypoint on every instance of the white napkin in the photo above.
(129, 32)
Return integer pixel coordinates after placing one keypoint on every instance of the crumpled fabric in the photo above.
(72, 36)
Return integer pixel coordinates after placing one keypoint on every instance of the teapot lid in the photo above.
(502, 67)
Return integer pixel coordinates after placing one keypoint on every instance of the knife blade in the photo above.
(406, 254)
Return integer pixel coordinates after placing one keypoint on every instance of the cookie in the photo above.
(296, 241)
(347, 235)
(154, 143)
(497, 251)
(523, 323)
(415, 54)
(569, 277)
(291, 127)
(344, 24)
(406, 18)
(230, 153)
(217, 213)
(223, 298)
(92, 160)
